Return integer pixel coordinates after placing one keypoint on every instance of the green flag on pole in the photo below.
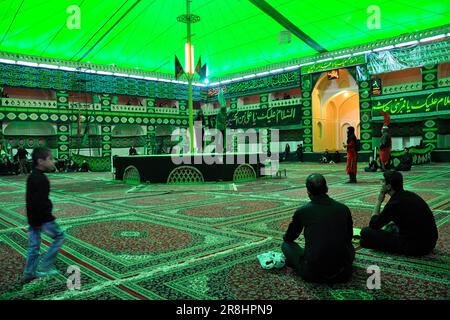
(221, 98)
(178, 68)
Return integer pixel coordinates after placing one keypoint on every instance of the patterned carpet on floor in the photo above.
(201, 241)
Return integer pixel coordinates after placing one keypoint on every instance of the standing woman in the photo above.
(352, 155)
(385, 148)
(385, 142)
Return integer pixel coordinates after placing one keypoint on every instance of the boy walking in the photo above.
(40, 218)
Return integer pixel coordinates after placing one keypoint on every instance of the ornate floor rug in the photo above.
(201, 241)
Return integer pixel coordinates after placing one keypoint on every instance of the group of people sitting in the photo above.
(17, 164)
(405, 164)
(20, 164)
(330, 158)
(406, 225)
(287, 152)
(63, 165)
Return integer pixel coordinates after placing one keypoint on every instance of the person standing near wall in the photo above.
(300, 152)
(287, 151)
(385, 142)
(385, 148)
(22, 157)
(132, 151)
(352, 154)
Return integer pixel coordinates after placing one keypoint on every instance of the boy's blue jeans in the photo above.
(34, 243)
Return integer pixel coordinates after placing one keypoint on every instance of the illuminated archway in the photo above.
(335, 107)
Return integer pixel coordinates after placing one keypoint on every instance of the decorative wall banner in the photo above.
(233, 104)
(150, 105)
(429, 76)
(79, 142)
(269, 83)
(430, 131)
(23, 76)
(307, 87)
(98, 164)
(265, 117)
(99, 117)
(364, 91)
(31, 141)
(183, 107)
(127, 142)
(404, 58)
(263, 100)
(426, 102)
(63, 141)
(420, 155)
(150, 140)
(62, 99)
(106, 140)
(105, 100)
(334, 64)
(400, 129)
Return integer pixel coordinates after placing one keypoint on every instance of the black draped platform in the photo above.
(164, 169)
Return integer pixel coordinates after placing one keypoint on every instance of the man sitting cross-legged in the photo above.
(328, 229)
(410, 227)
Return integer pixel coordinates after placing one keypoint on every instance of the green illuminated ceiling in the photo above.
(232, 36)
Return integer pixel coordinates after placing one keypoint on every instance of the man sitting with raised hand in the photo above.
(407, 220)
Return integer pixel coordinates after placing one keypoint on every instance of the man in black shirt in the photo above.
(287, 151)
(328, 229)
(406, 162)
(300, 152)
(132, 151)
(373, 167)
(40, 218)
(84, 166)
(417, 233)
(22, 157)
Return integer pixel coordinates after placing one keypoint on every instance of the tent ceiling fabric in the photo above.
(232, 35)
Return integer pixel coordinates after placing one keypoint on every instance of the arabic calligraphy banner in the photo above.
(265, 117)
(278, 81)
(431, 102)
(22, 76)
(334, 64)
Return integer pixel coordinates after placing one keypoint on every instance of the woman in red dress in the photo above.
(352, 154)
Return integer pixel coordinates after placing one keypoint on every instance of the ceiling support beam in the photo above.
(107, 32)
(278, 17)
(12, 22)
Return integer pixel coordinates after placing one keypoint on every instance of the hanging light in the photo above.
(440, 36)
(8, 61)
(405, 44)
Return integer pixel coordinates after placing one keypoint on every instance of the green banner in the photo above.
(265, 117)
(24, 76)
(278, 81)
(425, 103)
(334, 64)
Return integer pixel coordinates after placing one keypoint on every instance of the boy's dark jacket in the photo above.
(39, 206)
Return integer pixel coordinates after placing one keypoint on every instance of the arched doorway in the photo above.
(335, 107)
(126, 135)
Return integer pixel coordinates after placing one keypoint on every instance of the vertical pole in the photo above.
(190, 76)
(191, 116)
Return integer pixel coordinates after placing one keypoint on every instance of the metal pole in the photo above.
(190, 76)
